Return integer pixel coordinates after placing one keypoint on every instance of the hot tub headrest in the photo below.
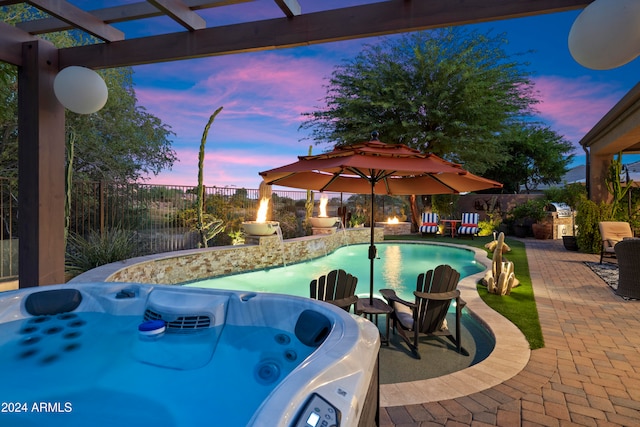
(312, 328)
(52, 302)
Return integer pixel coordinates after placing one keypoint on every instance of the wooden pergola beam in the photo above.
(11, 43)
(180, 12)
(290, 8)
(389, 17)
(78, 18)
(123, 13)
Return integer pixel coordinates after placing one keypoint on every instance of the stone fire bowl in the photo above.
(323, 222)
(254, 228)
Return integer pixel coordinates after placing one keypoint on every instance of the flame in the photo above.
(323, 206)
(393, 220)
(262, 210)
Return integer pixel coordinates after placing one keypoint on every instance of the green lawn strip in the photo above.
(520, 306)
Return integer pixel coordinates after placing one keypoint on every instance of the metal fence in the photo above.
(9, 230)
(162, 216)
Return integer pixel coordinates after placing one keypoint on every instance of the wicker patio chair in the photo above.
(612, 232)
(628, 254)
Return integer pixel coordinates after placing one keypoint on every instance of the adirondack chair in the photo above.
(336, 287)
(435, 290)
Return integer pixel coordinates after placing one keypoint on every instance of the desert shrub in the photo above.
(96, 249)
(587, 219)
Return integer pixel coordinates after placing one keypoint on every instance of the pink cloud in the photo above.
(224, 167)
(573, 106)
(252, 89)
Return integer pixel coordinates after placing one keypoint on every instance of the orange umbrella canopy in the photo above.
(377, 168)
(390, 168)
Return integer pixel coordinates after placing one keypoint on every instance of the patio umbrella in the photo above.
(377, 168)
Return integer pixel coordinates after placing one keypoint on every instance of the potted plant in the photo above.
(542, 229)
(525, 215)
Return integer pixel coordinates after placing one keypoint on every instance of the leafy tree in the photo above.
(120, 142)
(451, 92)
(536, 155)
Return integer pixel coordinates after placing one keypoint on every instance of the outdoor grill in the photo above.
(562, 209)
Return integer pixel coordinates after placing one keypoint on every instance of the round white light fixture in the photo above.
(606, 34)
(80, 90)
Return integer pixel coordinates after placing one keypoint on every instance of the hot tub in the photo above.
(134, 354)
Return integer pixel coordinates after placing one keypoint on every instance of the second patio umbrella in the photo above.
(377, 168)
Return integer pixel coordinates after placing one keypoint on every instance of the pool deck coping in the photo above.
(509, 357)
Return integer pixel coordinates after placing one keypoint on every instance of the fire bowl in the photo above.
(254, 228)
(323, 221)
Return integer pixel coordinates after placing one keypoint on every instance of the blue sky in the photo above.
(265, 93)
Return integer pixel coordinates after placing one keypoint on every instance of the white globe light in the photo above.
(80, 90)
(606, 34)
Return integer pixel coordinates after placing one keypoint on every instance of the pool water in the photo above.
(397, 268)
(80, 369)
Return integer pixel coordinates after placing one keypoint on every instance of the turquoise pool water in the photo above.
(397, 268)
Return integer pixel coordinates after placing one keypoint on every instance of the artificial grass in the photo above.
(520, 306)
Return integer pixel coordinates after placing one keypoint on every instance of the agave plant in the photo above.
(96, 249)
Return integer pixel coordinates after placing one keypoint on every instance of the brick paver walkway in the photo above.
(588, 373)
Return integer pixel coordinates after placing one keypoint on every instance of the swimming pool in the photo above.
(107, 354)
(397, 268)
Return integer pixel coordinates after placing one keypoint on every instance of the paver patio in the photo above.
(588, 373)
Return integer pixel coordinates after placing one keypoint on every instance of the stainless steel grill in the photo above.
(563, 210)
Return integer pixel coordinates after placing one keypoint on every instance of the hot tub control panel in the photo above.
(317, 412)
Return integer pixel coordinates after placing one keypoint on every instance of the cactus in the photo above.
(68, 177)
(213, 226)
(501, 279)
(308, 205)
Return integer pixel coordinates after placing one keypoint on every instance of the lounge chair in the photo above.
(612, 232)
(429, 223)
(435, 290)
(469, 224)
(336, 287)
(628, 254)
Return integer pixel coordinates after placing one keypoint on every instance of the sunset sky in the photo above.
(265, 93)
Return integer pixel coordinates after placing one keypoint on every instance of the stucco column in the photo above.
(598, 172)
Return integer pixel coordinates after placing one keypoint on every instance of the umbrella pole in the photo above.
(372, 248)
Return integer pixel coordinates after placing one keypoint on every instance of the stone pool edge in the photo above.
(509, 357)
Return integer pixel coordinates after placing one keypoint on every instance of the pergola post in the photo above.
(41, 165)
